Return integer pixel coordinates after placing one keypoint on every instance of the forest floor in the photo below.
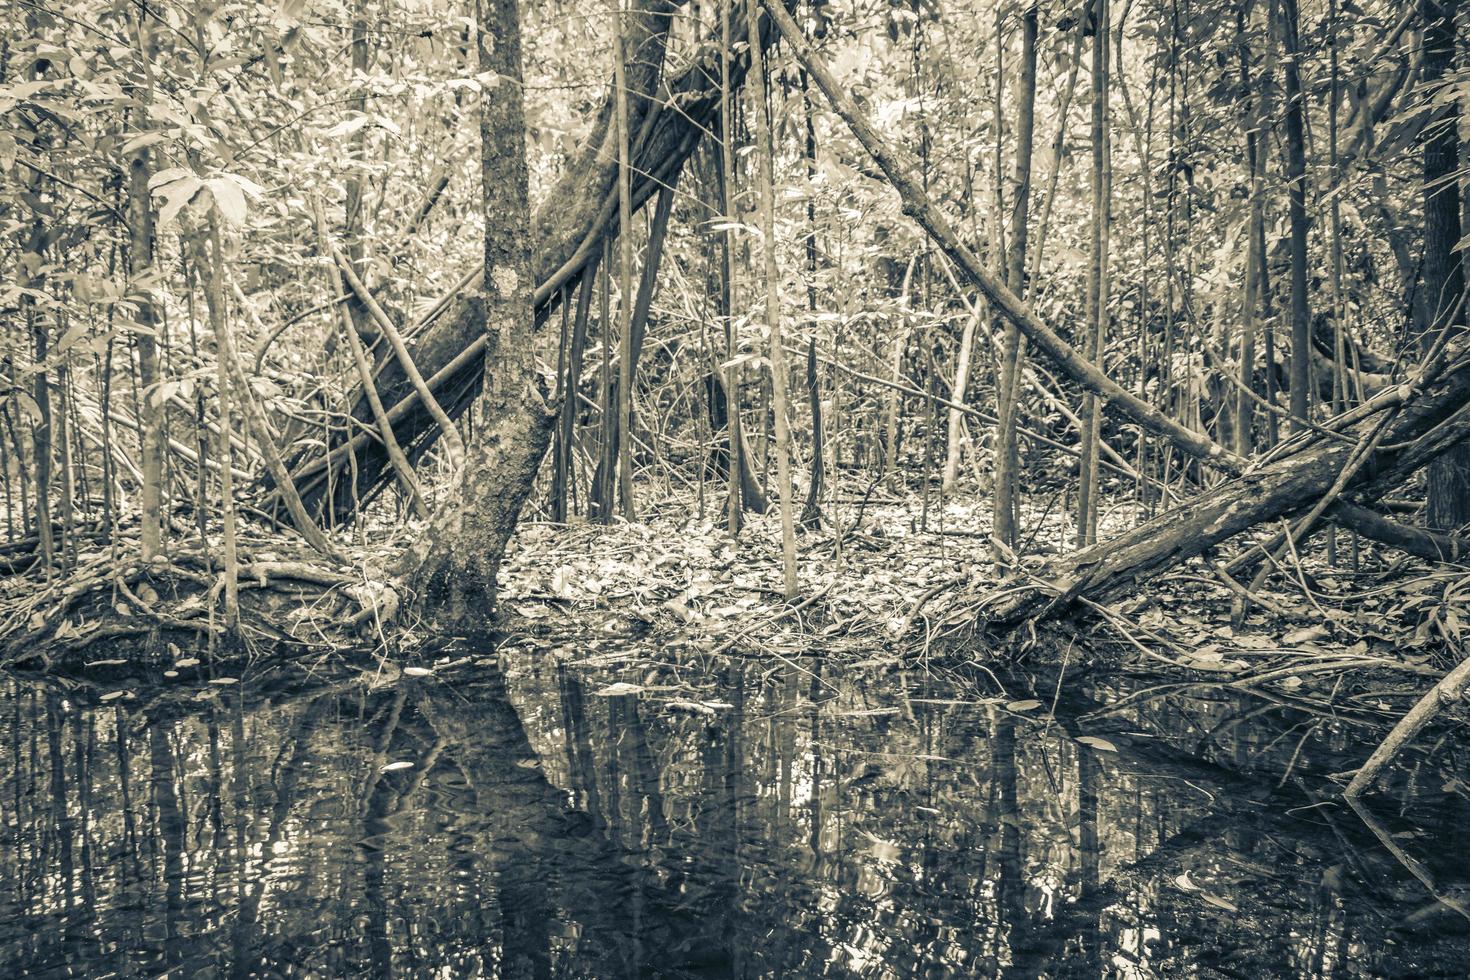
(675, 591)
(1364, 639)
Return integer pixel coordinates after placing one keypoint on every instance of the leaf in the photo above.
(619, 688)
(229, 199)
(418, 672)
(176, 195)
(1305, 635)
(690, 707)
(27, 405)
(69, 339)
(1029, 704)
(395, 766)
(1185, 884)
(168, 177)
(225, 681)
(187, 662)
(1219, 903)
(1101, 744)
(346, 127)
(111, 696)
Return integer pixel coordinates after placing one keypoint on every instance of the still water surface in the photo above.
(803, 822)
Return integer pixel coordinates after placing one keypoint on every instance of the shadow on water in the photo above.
(799, 822)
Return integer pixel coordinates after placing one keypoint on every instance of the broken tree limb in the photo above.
(1416, 541)
(452, 440)
(1448, 690)
(400, 463)
(256, 424)
(898, 167)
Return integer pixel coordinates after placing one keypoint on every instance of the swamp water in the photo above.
(790, 821)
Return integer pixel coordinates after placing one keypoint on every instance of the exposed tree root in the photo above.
(289, 597)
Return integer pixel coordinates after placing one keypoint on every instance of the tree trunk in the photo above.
(1255, 152)
(623, 433)
(140, 264)
(1296, 180)
(1004, 504)
(956, 432)
(454, 566)
(1097, 309)
(1443, 287)
(780, 376)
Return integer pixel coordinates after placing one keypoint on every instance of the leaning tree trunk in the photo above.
(898, 167)
(453, 567)
(567, 230)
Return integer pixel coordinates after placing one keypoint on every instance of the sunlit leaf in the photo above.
(619, 688)
(1220, 903)
(229, 199)
(176, 194)
(1101, 744)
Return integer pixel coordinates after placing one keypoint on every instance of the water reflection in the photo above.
(811, 823)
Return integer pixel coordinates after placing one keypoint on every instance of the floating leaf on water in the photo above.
(225, 681)
(111, 696)
(1030, 704)
(170, 673)
(395, 766)
(1184, 883)
(187, 662)
(1101, 744)
(885, 851)
(418, 671)
(105, 663)
(619, 688)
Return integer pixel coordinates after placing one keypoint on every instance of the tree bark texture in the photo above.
(454, 566)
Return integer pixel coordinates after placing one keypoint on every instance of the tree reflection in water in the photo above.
(818, 822)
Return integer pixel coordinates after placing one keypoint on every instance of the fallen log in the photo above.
(1425, 427)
